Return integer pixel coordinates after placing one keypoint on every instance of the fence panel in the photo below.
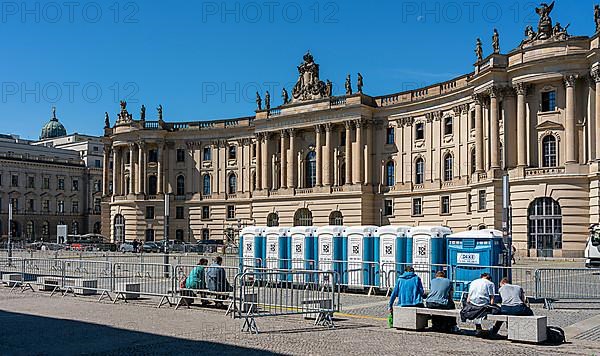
(425, 271)
(572, 283)
(130, 280)
(87, 277)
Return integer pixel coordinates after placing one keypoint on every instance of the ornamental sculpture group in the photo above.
(308, 86)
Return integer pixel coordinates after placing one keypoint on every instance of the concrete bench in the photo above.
(83, 286)
(12, 279)
(48, 283)
(129, 291)
(520, 328)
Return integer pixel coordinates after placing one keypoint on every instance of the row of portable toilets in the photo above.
(364, 256)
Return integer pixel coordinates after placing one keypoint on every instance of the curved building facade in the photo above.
(435, 155)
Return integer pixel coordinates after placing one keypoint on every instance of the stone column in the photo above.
(189, 162)
(319, 152)
(348, 158)
(510, 111)
(596, 77)
(521, 89)
(494, 129)
(478, 132)
(216, 181)
(258, 161)
(106, 171)
(369, 162)
(326, 151)
(291, 167)
(266, 162)
(131, 168)
(140, 169)
(159, 168)
(115, 170)
(283, 160)
(360, 154)
(570, 121)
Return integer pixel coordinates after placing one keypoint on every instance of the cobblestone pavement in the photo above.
(34, 323)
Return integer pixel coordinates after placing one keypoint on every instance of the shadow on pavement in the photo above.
(24, 334)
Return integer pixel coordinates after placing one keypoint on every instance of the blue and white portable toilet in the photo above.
(391, 251)
(359, 266)
(277, 247)
(428, 250)
(302, 251)
(475, 252)
(251, 247)
(329, 250)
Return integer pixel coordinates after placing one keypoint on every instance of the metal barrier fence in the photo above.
(573, 283)
(263, 293)
(391, 272)
(130, 280)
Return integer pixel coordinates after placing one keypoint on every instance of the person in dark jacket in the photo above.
(440, 297)
(408, 290)
(216, 277)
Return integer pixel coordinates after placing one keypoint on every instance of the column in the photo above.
(360, 154)
(283, 160)
(241, 154)
(140, 169)
(291, 174)
(115, 170)
(571, 122)
(216, 158)
(327, 156)
(510, 110)
(494, 129)
(348, 158)
(106, 168)
(368, 161)
(319, 152)
(190, 165)
(521, 89)
(596, 76)
(478, 133)
(266, 162)
(131, 168)
(159, 167)
(258, 162)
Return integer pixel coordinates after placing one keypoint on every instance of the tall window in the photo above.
(388, 207)
(29, 231)
(303, 217)
(180, 185)
(230, 212)
(311, 169)
(75, 207)
(445, 205)
(232, 152)
(61, 184)
(60, 206)
(549, 101)
(232, 186)
(152, 185)
(206, 184)
(149, 212)
(472, 116)
(336, 218)
(419, 171)
(153, 156)
(205, 212)
(14, 180)
(448, 130)
(420, 131)
(448, 167)
(206, 153)
(75, 228)
(473, 161)
(150, 235)
(549, 151)
(30, 182)
(343, 138)
(544, 226)
(417, 206)
(390, 174)
(179, 212)
(179, 235)
(180, 155)
(390, 139)
(119, 229)
(45, 229)
(97, 227)
(272, 220)
(75, 185)
(482, 200)
(342, 174)
(205, 234)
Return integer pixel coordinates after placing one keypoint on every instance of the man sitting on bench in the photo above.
(440, 297)
(217, 278)
(408, 290)
(513, 302)
(480, 302)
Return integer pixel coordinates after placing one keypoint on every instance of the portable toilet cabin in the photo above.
(329, 248)
(359, 258)
(251, 247)
(474, 252)
(277, 247)
(428, 251)
(302, 251)
(391, 251)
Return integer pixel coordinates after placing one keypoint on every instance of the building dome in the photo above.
(53, 128)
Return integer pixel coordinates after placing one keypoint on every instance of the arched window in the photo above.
(75, 228)
(303, 217)
(544, 227)
(448, 167)
(119, 229)
(549, 151)
(97, 227)
(45, 229)
(272, 220)
(419, 171)
(206, 184)
(152, 185)
(29, 231)
(473, 161)
(232, 186)
(180, 185)
(336, 218)
(390, 174)
(311, 169)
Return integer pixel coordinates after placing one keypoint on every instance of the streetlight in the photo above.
(10, 227)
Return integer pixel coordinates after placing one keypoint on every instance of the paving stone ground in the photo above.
(34, 323)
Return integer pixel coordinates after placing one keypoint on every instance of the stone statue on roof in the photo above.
(545, 22)
(267, 101)
(106, 121)
(143, 113)
(308, 86)
(329, 90)
(597, 17)
(348, 85)
(479, 50)
(160, 112)
(496, 42)
(258, 102)
(285, 96)
(359, 83)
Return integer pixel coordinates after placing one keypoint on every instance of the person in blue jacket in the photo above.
(408, 290)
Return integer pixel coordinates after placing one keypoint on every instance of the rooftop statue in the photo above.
(106, 121)
(308, 86)
(143, 113)
(496, 42)
(479, 50)
(267, 101)
(547, 31)
(348, 85)
(597, 17)
(258, 102)
(160, 112)
(359, 83)
(329, 88)
(560, 33)
(545, 22)
(285, 96)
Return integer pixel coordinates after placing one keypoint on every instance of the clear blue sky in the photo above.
(205, 60)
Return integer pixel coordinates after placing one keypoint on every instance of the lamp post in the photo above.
(10, 227)
(166, 234)
(506, 203)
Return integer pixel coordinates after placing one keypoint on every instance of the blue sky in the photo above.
(204, 60)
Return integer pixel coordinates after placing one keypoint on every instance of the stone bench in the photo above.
(12, 279)
(83, 286)
(129, 291)
(520, 328)
(48, 283)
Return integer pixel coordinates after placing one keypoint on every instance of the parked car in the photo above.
(126, 247)
(149, 246)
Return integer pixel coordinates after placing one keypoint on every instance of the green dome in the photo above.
(53, 128)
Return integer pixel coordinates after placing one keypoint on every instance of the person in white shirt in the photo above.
(480, 301)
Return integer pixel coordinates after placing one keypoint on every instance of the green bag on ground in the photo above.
(391, 321)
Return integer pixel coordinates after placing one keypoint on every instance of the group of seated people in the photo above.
(203, 277)
(478, 304)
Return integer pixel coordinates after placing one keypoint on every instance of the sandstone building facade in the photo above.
(435, 155)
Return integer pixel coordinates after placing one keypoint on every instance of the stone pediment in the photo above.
(549, 125)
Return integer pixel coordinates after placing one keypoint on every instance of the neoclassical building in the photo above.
(435, 155)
